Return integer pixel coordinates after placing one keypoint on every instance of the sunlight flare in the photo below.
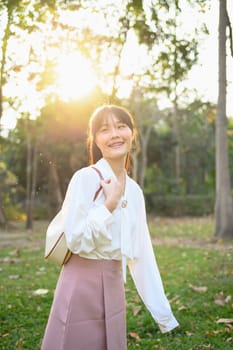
(75, 77)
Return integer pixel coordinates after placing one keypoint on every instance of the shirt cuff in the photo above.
(168, 325)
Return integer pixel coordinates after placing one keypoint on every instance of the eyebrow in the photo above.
(106, 123)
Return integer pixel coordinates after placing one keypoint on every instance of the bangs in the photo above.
(103, 114)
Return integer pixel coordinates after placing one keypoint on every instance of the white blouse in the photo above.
(93, 232)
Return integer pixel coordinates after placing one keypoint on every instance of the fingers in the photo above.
(112, 192)
(105, 181)
(111, 186)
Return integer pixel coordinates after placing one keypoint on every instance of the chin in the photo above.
(116, 155)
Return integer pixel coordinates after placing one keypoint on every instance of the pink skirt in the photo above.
(88, 310)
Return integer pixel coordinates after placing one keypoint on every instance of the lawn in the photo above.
(197, 273)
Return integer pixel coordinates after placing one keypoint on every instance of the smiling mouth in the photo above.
(116, 144)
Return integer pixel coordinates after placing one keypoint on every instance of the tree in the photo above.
(22, 18)
(223, 202)
(146, 114)
(31, 169)
(173, 55)
(18, 16)
(175, 60)
(9, 6)
(197, 128)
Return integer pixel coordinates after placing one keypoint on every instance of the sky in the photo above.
(203, 77)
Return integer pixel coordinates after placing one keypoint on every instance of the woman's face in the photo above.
(114, 138)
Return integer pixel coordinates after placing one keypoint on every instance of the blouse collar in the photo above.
(105, 168)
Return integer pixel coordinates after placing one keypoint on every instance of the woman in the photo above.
(105, 234)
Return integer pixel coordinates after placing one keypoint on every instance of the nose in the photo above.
(114, 132)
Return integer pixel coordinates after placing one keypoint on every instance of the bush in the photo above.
(14, 213)
(192, 205)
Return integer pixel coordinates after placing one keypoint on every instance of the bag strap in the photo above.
(100, 188)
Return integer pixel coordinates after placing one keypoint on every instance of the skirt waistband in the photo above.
(98, 264)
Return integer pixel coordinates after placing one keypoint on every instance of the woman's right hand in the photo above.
(113, 190)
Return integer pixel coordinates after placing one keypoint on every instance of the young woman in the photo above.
(105, 234)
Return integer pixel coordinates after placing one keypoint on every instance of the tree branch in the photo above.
(230, 32)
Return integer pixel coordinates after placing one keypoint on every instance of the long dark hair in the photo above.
(96, 121)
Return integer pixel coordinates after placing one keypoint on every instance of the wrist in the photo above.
(111, 204)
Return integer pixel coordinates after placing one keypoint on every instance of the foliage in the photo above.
(57, 143)
(197, 127)
(62, 144)
(10, 190)
(202, 302)
(58, 134)
(177, 205)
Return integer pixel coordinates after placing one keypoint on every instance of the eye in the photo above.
(103, 128)
(121, 126)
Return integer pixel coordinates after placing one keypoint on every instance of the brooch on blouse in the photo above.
(124, 203)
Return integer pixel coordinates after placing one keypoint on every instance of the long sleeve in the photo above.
(147, 279)
(86, 225)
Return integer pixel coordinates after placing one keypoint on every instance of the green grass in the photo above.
(192, 228)
(23, 315)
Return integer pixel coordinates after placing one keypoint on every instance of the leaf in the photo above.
(135, 336)
(136, 310)
(225, 320)
(189, 334)
(212, 333)
(136, 298)
(175, 298)
(5, 334)
(41, 271)
(40, 292)
(200, 289)
(228, 299)
(182, 307)
(149, 335)
(15, 252)
(8, 260)
(221, 300)
(14, 277)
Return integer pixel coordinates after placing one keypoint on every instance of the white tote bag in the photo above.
(55, 242)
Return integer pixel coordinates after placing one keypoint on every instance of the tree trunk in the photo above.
(144, 144)
(3, 56)
(29, 221)
(117, 69)
(2, 215)
(2, 70)
(34, 174)
(134, 165)
(224, 203)
(55, 193)
(177, 146)
(189, 172)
